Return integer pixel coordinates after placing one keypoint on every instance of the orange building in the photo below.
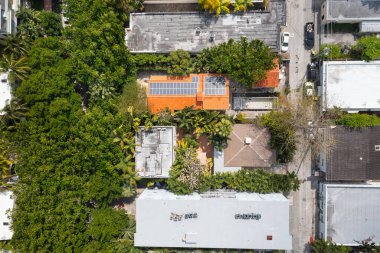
(203, 91)
(272, 78)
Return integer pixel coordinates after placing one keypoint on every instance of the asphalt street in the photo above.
(302, 209)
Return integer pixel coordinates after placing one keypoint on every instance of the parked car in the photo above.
(309, 35)
(285, 42)
(312, 72)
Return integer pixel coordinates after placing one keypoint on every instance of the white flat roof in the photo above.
(5, 91)
(351, 85)
(6, 203)
(217, 219)
(353, 213)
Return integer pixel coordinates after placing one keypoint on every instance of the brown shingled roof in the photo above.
(353, 156)
(254, 155)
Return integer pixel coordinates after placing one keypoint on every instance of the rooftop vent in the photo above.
(247, 140)
(377, 147)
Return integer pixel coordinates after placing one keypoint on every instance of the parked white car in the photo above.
(285, 42)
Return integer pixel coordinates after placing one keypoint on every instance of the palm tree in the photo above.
(215, 6)
(16, 44)
(242, 5)
(5, 162)
(13, 113)
(17, 69)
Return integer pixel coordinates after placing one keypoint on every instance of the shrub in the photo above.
(283, 133)
(369, 48)
(215, 6)
(358, 120)
(331, 51)
(257, 180)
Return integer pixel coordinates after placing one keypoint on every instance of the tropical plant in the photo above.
(321, 246)
(13, 113)
(17, 69)
(369, 47)
(215, 6)
(358, 120)
(282, 133)
(180, 63)
(247, 62)
(5, 161)
(242, 5)
(16, 44)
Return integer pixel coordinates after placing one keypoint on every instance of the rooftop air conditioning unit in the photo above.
(247, 140)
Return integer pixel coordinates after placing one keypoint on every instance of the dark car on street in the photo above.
(309, 35)
(312, 72)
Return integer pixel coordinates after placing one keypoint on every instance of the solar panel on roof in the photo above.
(215, 85)
(182, 88)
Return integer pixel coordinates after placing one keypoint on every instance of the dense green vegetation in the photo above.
(247, 62)
(283, 133)
(367, 48)
(188, 175)
(321, 246)
(59, 130)
(358, 120)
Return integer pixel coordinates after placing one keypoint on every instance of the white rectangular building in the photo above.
(352, 86)
(5, 91)
(154, 154)
(6, 203)
(349, 213)
(219, 219)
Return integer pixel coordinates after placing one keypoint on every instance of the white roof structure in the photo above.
(6, 203)
(218, 219)
(155, 151)
(350, 213)
(5, 91)
(351, 85)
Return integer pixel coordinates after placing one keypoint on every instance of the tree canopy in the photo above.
(247, 62)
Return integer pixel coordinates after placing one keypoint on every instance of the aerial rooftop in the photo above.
(350, 213)
(247, 220)
(6, 203)
(5, 91)
(247, 147)
(155, 151)
(194, 31)
(203, 91)
(355, 154)
(352, 10)
(351, 85)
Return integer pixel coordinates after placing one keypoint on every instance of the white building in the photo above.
(154, 155)
(8, 20)
(364, 12)
(218, 219)
(349, 213)
(350, 85)
(5, 91)
(6, 203)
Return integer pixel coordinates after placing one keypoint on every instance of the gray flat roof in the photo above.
(351, 85)
(154, 155)
(353, 10)
(353, 213)
(166, 32)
